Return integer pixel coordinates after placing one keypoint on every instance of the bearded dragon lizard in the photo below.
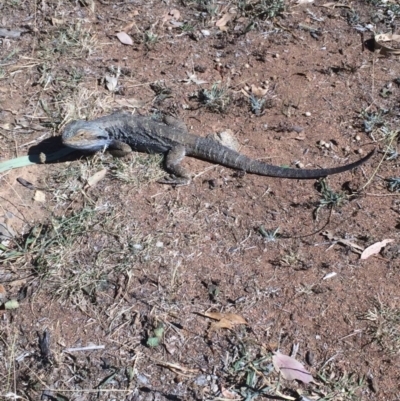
(122, 132)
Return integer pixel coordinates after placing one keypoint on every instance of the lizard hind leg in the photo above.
(179, 175)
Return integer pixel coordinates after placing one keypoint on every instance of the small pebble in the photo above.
(246, 66)
(357, 138)
(359, 151)
(201, 380)
(142, 379)
(307, 114)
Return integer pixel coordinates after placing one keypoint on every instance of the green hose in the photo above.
(33, 159)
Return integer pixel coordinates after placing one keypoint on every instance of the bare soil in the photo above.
(104, 267)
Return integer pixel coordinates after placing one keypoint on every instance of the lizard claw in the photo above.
(175, 181)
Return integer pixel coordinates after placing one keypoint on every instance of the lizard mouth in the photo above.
(90, 147)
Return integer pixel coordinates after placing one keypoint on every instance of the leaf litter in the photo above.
(290, 368)
(224, 320)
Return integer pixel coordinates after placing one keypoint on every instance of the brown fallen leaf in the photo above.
(128, 27)
(221, 23)
(2, 293)
(229, 395)
(96, 177)
(225, 320)
(334, 5)
(57, 21)
(222, 324)
(290, 368)
(179, 369)
(386, 50)
(374, 249)
(343, 241)
(39, 196)
(124, 38)
(233, 318)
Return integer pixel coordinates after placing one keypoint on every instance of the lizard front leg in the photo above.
(174, 122)
(179, 175)
(119, 149)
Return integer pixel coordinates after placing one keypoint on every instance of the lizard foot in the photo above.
(175, 181)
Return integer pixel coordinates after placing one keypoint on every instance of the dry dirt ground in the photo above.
(105, 285)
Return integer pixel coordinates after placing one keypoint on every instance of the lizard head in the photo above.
(83, 135)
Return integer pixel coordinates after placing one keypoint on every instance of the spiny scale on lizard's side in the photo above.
(121, 133)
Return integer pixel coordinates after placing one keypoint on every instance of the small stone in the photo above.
(205, 32)
(142, 379)
(357, 138)
(299, 165)
(201, 380)
(359, 151)
(307, 114)
(159, 244)
(246, 66)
